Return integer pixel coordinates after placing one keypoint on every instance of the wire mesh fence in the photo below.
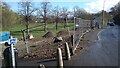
(80, 27)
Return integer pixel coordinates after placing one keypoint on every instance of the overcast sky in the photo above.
(97, 5)
(92, 6)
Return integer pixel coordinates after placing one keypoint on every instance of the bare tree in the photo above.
(81, 13)
(56, 12)
(26, 10)
(65, 15)
(75, 10)
(44, 10)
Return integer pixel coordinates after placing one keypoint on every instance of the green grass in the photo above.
(36, 29)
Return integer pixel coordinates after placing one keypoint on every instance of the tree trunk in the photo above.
(57, 24)
(27, 30)
(45, 26)
(65, 24)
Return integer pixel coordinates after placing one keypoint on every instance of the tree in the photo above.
(75, 10)
(44, 11)
(26, 10)
(56, 12)
(9, 17)
(115, 12)
(0, 17)
(5, 15)
(65, 15)
(81, 13)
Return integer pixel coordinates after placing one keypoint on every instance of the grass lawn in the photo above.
(37, 29)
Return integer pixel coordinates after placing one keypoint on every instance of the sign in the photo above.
(4, 37)
(13, 41)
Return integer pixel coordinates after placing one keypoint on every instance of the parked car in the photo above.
(111, 24)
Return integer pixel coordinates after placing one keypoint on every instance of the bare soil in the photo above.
(43, 47)
(49, 35)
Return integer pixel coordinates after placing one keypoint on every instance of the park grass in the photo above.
(37, 29)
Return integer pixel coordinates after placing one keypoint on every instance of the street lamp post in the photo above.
(103, 14)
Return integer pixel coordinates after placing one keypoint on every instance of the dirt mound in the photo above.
(49, 35)
(63, 32)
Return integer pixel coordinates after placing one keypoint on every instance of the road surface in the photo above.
(101, 52)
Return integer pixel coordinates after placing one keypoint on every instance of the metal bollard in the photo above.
(71, 48)
(72, 40)
(59, 58)
(16, 57)
(67, 51)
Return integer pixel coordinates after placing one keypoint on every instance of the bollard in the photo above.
(16, 57)
(71, 48)
(67, 52)
(59, 58)
(72, 40)
(41, 66)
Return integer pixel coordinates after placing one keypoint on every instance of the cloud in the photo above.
(96, 6)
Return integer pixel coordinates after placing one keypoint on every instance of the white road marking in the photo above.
(98, 35)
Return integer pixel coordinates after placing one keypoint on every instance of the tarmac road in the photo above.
(101, 52)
